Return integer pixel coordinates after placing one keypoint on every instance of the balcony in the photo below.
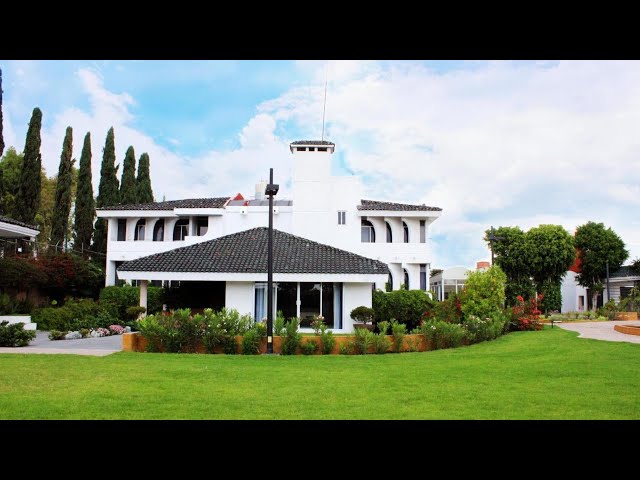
(395, 252)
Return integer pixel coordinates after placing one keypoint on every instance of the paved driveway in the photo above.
(85, 346)
(601, 330)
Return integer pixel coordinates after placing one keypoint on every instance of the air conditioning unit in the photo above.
(244, 210)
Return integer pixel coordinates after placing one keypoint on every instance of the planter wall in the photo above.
(627, 316)
(135, 342)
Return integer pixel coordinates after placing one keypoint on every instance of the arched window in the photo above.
(406, 278)
(406, 232)
(367, 233)
(389, 234)
(138, 234)
(158, 231)
(180, 229)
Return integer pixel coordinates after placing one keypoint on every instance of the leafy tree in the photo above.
(62, 205)
(1, 137)
(511, 256)
(44, 216)
(550, 251)
(635, 266)
(28, 197)
(598, 245)
(406, 306)
(435, 271)
(108, 193)
(128, 193)
(483, 294)
(85, 210)
(143, 182)
(11, 166)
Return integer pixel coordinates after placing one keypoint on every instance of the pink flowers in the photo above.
(116, 329)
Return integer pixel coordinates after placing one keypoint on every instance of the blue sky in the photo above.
(493, 143)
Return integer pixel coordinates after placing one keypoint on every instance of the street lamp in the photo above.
(271, 190)
(492, 238)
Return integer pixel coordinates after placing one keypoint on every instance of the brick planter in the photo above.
(135, 342)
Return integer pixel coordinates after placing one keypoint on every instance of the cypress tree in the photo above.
(128, 192)
(108, 193)
(28, 198)
(62, 206)
(143, 182)
(1, 138)
(85, 204)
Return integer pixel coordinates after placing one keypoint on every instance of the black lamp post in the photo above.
(271, 190)
(492, 238)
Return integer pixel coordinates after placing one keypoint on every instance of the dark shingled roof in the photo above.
(11, 221)
(216, 202)
(377, 205)
(312, 142)
(246, 252)
(624, 271)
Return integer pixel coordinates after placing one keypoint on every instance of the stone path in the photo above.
(601, 330)
(86, 346)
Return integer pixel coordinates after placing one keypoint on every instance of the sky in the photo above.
(502, 143)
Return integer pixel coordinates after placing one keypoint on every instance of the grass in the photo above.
(539, 375)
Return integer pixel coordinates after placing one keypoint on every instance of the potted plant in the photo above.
(362, 315)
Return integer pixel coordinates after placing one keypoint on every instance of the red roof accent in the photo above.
(246, 203)
(238, 197)
(577, 263)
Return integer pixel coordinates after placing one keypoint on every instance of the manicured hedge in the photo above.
(128, 296)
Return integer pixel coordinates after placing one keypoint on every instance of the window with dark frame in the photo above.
(423, 231)
(122, 230)
(342, 218)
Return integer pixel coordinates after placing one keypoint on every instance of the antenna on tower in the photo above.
(324, 105)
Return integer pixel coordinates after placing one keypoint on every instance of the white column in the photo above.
(380, 229)
(397, 232)
(148, 228)
(169, 223)
(131, 228)
(414, 229)
(110, 274)
(143, 293)
(397, 274)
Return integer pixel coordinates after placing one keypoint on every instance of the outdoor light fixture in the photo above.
(271, 190)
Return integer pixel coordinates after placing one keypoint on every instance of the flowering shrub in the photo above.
(482, 329)
(449, 310)
(100, 332)
(316, 323)
(443, 334)
(525, 315)
(116, 329)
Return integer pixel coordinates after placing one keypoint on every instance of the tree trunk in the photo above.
(594, 301)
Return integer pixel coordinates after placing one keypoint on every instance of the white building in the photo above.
(326, 209)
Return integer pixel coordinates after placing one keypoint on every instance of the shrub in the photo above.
(525, 314)
(632, 302)
(381, 343)
(443, 334)
(383, 327)
(412, 344)
(85, 332)
(251, 341)
(609, 310)
(133, 313)
(14, 335)
(317, 323)
(406, 306)
(480, 330)
(309, 347)
(127, 296)
(278, 324)
(73, 315)
(176, 332)
(56, 335)
(221, 328)
(9, 306)
(116, 329)
(449, 310)
(328, 341)
(362, 341)
(398, 330)
(552, 295)
(292, 337)
(346, 348)
(362, 314)
(483, 294)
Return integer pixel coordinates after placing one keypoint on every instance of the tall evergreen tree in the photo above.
(143, 182)
(1, 138)
(128, 192)
(1, 191)
(108, 193)
(28, 198)
(85, 211)
(62, 206)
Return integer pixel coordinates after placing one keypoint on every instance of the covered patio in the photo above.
(310, 278)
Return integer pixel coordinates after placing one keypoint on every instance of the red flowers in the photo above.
(524, 315)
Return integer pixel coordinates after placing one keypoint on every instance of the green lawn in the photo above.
(546, 374)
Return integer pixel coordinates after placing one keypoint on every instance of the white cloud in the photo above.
(501, 143)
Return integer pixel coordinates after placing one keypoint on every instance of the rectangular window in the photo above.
(122, 230)
(423, 231)
(342, 218)
(309, 302)
(287, 293)
(423, 277)
(203, 226)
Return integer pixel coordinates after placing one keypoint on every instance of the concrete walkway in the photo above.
(98, 347)
(601, 330)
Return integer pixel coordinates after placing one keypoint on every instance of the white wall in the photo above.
(239, 295)
(354, 295)
(570, 291)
